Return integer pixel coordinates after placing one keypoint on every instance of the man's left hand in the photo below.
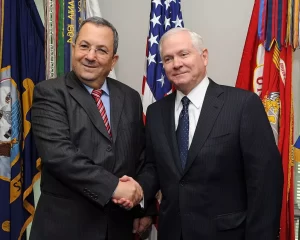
(140, 225)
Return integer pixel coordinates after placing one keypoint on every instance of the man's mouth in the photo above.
(89, 66)
(178, 74)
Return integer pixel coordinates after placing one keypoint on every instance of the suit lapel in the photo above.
(116, 97)
(82, 96)
(169, 126)
(212, 105)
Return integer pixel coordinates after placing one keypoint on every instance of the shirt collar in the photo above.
(196, 96)
(104, 88)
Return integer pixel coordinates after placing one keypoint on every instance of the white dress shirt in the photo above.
(196, 96)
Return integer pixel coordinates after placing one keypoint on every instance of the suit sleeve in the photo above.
(59, 156)
(148, 178)
(150, 208)
(263, 172)
(140, 151)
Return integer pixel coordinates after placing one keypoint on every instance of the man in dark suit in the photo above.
(89, 132)
(211, 151)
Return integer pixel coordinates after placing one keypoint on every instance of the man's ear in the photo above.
(73, 48)
(204, 56)
(114, 61)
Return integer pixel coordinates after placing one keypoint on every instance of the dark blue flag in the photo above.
(22, 66)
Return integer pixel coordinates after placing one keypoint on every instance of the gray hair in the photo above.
(196, 38)
(99, 21)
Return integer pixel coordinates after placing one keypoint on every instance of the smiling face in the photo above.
(184, 65)
(93, 56)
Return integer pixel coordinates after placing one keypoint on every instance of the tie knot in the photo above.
(185, 101)
(96, 93)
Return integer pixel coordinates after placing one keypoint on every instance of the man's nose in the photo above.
(91, 54)
(177, 63)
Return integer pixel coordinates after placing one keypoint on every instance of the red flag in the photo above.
(249, 61)
(286, 144)
(268, 74)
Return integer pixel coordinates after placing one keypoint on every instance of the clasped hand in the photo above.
(128, 193)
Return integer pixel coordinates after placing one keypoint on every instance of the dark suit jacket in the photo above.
(80, 164)
(231, 188)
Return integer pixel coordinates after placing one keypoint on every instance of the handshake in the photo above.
(128, 193)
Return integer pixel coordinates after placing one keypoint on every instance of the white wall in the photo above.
(223, 25)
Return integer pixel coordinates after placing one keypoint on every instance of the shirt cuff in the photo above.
(142, 203)
(111, 196)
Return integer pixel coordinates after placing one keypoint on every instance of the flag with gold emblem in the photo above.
(22, 65)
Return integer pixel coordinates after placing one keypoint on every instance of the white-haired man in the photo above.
(211, 151)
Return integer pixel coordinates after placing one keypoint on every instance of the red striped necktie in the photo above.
(96, 93)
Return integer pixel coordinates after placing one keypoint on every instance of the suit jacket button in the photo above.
(182, 182)
(109, 148)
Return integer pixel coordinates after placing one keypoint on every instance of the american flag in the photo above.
(164, 15)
